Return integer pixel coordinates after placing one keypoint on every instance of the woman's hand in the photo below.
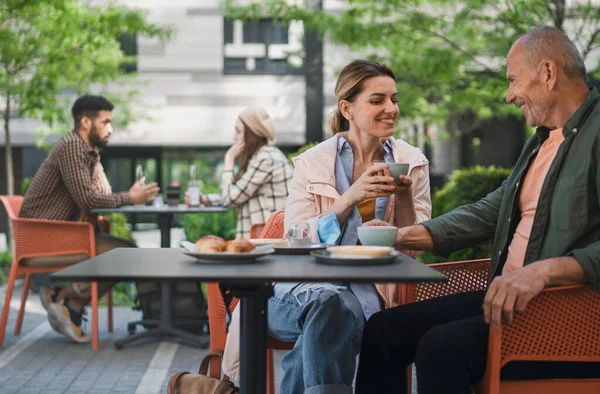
(374, 182)
(233, 153)
(405, 189)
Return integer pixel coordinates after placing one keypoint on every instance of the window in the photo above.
(128, 44)
(263, 46)
(228, 31)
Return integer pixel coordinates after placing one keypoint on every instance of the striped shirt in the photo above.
(65, 188)
(261, 190)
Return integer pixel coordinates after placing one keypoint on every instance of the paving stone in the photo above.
(29, 390)
(52, 364)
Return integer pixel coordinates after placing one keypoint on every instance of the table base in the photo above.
(164, 327)
(162, 332)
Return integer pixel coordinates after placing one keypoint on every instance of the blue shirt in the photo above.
(329, 230)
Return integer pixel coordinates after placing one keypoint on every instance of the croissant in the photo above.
(210, 244)
(240, 245)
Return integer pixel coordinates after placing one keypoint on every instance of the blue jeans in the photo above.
(327, 325)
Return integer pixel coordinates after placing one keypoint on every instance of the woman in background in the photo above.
(260, 185)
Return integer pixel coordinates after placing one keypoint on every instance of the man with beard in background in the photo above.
(68, 184)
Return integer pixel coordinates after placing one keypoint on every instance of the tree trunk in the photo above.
(10, 180)
(313, 71)
(559, 16)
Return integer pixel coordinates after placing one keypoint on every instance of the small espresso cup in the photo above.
(396, 169)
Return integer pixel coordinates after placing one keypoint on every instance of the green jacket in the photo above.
(567, 220)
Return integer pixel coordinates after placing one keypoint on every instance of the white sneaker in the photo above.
(47, 297)
(68, 321)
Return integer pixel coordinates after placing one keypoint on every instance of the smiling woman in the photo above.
(337, 187)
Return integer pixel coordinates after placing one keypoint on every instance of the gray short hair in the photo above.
(550, 42)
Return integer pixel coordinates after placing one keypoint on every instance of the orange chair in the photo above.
(256, 230)
(462, 276)
(560, 324)
(45, 238)
(274, 226)
(217, 312)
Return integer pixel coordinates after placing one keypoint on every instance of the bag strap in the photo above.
(206, 360)
(227, 299)
(225, 387)
(172, 386)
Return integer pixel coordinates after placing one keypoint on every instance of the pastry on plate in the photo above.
(240, 245)
(210, 244)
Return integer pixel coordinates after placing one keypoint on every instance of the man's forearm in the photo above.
(414, 238)
(562, 271)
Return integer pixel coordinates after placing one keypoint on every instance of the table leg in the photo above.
(164, 224)
(253, 343)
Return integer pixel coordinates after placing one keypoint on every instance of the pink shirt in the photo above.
(528, 199)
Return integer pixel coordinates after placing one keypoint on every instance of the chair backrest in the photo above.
(573, 314)
(256, 230)
(462, 276)
(274, 226)
(12, 204)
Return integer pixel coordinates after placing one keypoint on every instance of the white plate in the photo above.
(325, 257)
(360, 251)
(267, 241)
(189, 249)
(304, 249)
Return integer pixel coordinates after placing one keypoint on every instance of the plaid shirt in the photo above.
(65, 187)
(261, 190)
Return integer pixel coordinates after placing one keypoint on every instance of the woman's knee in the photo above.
(329, 309)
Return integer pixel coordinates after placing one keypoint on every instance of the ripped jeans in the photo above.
(327, 324)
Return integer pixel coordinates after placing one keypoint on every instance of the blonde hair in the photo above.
(350, 84)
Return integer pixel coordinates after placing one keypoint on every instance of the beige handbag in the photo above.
(201, 383)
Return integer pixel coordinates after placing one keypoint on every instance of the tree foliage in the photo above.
(51, 47)
(448, 55)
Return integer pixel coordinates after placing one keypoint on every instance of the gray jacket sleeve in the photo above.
(468, 225)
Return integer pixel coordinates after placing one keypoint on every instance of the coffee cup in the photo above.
(397, 169)
(377, 235)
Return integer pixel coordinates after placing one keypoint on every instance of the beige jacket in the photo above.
(313, 192)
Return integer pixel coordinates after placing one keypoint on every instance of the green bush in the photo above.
(5, 261)
(123, 294)
(5, 258)
(118, 225)
(466, 186)
(301, 150)
(222, 225)
(25, 184)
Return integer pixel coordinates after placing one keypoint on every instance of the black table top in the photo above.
(125, 264)
(141, 208)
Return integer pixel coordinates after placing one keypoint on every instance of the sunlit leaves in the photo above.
(448, 55)
(49, 46)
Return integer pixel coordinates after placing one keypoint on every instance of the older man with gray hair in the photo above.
(545, 222)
